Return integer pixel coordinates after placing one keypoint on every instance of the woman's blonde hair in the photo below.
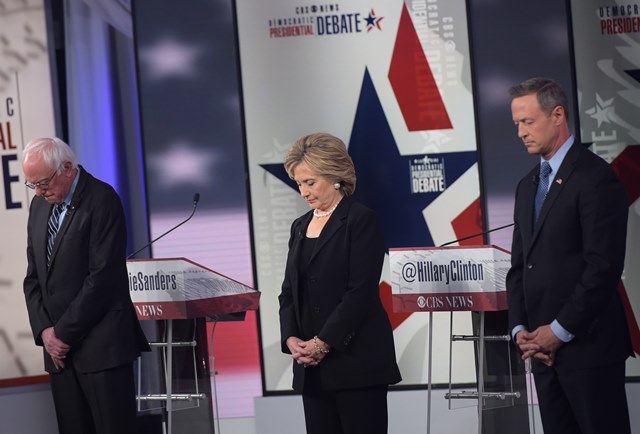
(327, 156)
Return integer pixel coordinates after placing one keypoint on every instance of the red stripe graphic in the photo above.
(627, 166)
(469, 222)
(634, 331)
(413, 83)
(396, 318)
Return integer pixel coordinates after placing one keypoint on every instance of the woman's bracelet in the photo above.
(319, 350)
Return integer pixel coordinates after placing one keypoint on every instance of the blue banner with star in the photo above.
(393, 80)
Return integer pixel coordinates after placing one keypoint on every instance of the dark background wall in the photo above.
(511, 42)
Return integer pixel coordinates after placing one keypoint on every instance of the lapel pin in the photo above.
(559, 181)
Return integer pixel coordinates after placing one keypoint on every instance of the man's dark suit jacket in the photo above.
(84, 294)
(343, 278)
(568, 266)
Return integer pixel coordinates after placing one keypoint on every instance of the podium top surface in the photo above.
(451, 278)
(178, 288)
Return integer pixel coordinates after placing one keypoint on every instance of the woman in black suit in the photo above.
(332, 321)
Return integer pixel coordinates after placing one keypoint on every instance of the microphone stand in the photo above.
(196, 199)
(481, 337)
(477, 235)
(169, 343)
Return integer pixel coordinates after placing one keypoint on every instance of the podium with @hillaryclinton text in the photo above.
(179, 289)
(469, 278)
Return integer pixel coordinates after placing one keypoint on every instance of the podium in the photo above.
(470, 278)
(177, 289)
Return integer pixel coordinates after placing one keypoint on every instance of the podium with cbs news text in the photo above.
(171, 289)
(450, 279)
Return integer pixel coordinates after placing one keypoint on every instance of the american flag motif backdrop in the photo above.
(606, 36)
(393, 80)
(26, 112)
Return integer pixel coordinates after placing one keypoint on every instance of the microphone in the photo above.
(477, 235)
(196, 199)
(535, 178)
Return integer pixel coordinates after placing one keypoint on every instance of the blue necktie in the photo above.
(52, 228)
(543, 186)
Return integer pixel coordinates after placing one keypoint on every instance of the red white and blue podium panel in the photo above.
(177, 288)
(449, 278)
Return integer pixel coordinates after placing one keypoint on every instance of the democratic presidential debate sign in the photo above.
(607, 67)
(26, 112)
(449, 279)
(392, 79)
(177, 288)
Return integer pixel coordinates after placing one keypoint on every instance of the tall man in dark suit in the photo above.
(77, 294)
(567, 257)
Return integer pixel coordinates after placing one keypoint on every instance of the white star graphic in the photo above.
(435, 141)
(183, 163)
(602, 111)
(170, 58)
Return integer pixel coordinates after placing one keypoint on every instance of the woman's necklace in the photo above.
(317, 214)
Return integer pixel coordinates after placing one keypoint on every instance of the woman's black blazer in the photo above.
(343, 278)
